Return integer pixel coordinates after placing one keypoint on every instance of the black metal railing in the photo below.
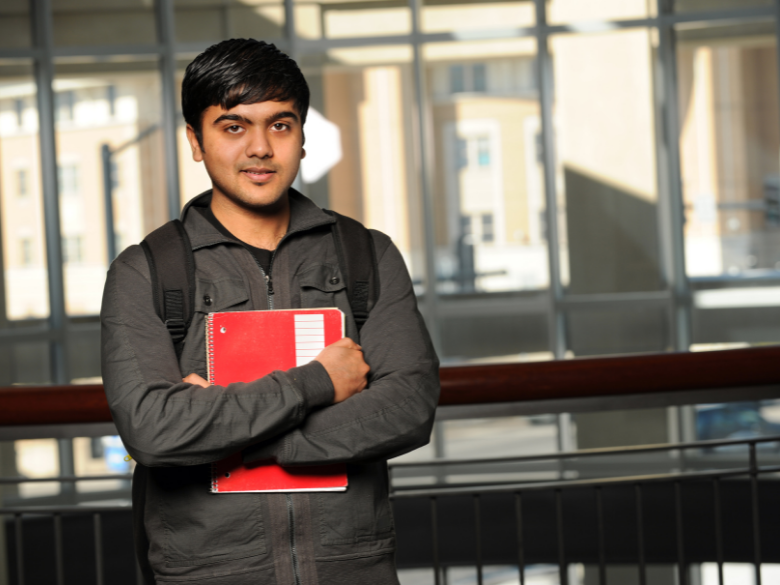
(699, 533)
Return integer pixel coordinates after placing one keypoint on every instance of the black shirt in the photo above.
(262, 257)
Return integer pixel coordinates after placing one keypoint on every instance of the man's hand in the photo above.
(195, 379)
(346, 367)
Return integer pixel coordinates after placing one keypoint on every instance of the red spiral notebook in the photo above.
(242, 346)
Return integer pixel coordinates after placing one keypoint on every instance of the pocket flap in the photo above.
(214, 296)
(324, 277)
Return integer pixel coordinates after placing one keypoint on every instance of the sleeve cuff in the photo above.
(314, 384)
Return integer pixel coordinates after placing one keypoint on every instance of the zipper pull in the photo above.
(269, 283)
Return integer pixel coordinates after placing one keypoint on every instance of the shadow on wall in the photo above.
(613, 248)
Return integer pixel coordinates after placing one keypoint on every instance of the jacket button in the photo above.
(207, 299)
(334, 280)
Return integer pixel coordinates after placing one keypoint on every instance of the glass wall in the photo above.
(518, 153)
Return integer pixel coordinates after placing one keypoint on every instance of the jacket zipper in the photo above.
(291, 520)
(269, 291)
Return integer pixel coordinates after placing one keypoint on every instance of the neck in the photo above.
(261, 228)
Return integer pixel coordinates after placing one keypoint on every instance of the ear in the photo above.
(303, 153)
(192, 138)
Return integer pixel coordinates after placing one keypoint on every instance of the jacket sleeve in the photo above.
(166, 422)
(394, 414)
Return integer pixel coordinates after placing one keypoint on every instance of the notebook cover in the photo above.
(243, 346)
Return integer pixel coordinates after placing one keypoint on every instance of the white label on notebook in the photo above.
(309, 337)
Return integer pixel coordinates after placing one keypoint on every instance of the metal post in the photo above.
(44, 79)
(429, 224)
(108, 201)
(673, 213)
(545, 81)
(167, 38)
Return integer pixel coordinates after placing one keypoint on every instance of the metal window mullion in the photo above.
(544, 73)
(430, 300)
(672, 205)
(166, 36)
(44, 80)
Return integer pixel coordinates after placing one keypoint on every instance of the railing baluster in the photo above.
(98, 525)
(564, 573)
(478, 535)
(602, 543)
(435, 539)
(640, 534)
(520, 550)
(681, 570)
(58, 552)
(718, 529)
(756, 523)
(19, 549)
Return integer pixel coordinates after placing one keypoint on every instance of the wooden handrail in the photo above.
(478, 384)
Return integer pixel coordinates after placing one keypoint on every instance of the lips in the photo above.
(258, 174)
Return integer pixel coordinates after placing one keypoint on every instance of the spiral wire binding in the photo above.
(210, 376)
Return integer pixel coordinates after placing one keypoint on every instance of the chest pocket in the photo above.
(322, 286)
(210, 297)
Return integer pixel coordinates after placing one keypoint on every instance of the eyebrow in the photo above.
(238, 118)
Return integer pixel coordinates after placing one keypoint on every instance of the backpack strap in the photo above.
(173, 280)
(358, 263)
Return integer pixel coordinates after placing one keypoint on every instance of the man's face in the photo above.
(252, 151)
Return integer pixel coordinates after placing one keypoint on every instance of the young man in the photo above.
(259, 244)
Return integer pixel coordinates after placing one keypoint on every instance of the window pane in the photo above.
(326, 19)
(112, 109)
(634, 329)
(214, 20)
(359, 135)
(695, 5)
(24, 275)
(448, 16)
(570, 10)
(729, 143)
(96, 22)
(730, 314)
(606, 158)
(487, 179)
(14, 24)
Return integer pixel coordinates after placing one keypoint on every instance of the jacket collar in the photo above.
(304, 215)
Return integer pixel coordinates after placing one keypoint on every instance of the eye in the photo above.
(234, 129)
(280, 126)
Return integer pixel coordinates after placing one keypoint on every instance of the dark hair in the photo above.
(240, 71)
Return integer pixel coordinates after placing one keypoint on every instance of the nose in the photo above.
(258, 145)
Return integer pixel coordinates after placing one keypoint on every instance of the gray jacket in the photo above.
(175, 430)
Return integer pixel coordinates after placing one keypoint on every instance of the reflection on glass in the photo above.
(97, 22)
(447, 16)
(21, 204)
(107, 122)
(729, 143)
(213, 20)
(360, 159)
(487, 179)
(316, 19)
(606, 162)
(14, 23)
(572, 10)
(696, 5)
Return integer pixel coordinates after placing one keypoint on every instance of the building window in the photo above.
(72, 249)
(65, 103)
(26, 247)
(19, 109)
(488, 233)
(111, 99)
(22, 183)
(479, 77)
(68, 177)
(457, 79)
(483, 151)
